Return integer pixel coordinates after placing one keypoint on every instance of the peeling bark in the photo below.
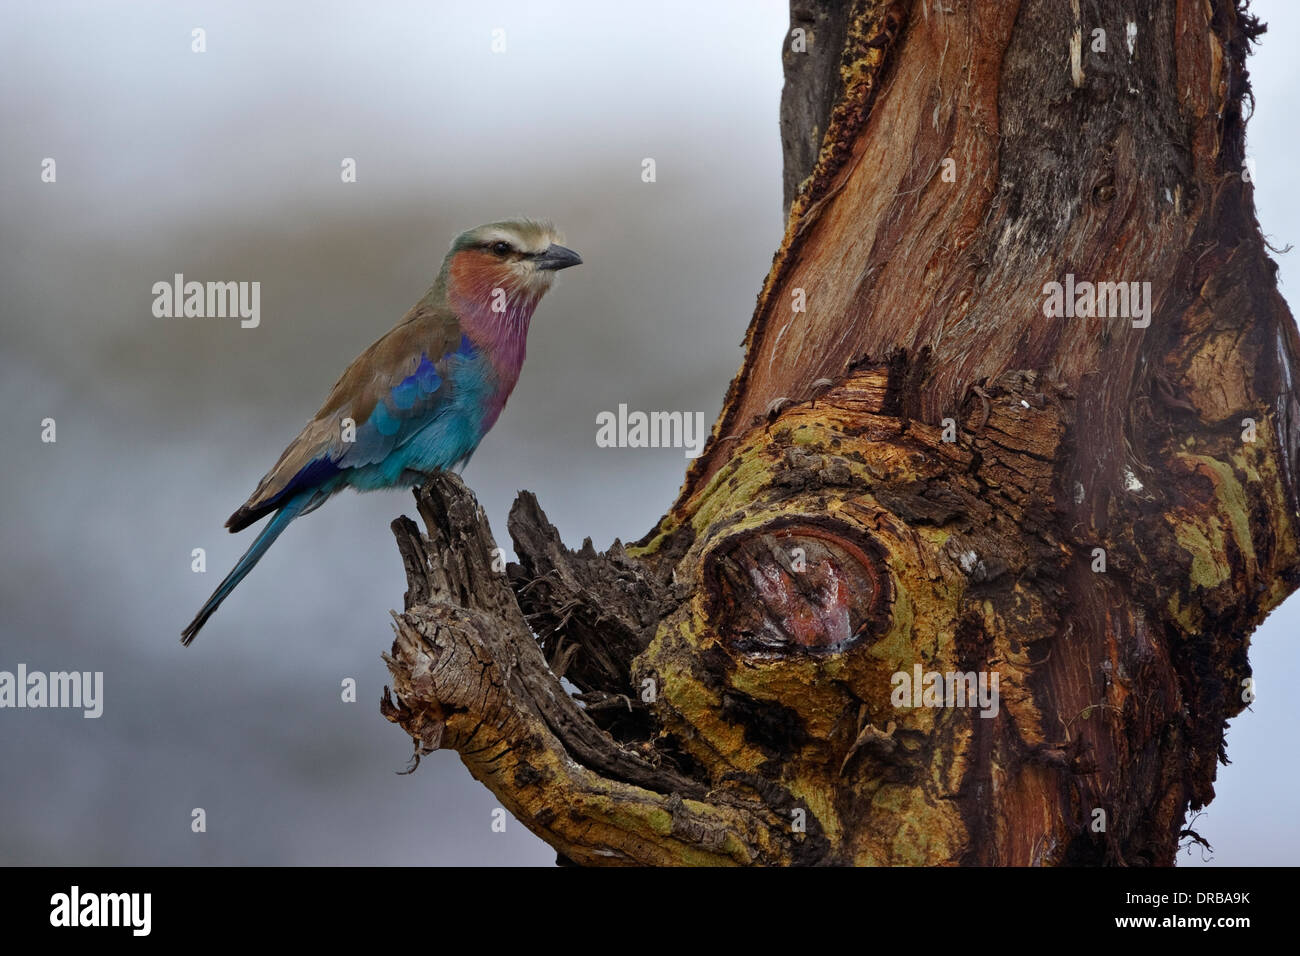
(922, 472)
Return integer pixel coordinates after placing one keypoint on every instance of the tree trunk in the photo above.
(933, 463)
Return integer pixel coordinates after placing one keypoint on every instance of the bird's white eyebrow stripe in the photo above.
(515, 240)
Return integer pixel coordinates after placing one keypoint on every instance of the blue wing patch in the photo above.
(424, 381)
(410, 405)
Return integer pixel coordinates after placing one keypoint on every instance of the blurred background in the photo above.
(225, 165)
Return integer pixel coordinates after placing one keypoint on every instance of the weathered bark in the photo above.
(921, 469)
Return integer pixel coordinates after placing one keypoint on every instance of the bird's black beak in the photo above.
(557, 257)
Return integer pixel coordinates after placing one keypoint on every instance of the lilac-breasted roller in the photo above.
(422, 397)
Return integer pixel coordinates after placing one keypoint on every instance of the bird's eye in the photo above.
(501, 248)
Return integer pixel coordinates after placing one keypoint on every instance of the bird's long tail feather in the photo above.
(298, 505)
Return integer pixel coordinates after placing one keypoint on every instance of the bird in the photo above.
(421, 397)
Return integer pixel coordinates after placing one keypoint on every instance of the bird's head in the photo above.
(505, 265)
